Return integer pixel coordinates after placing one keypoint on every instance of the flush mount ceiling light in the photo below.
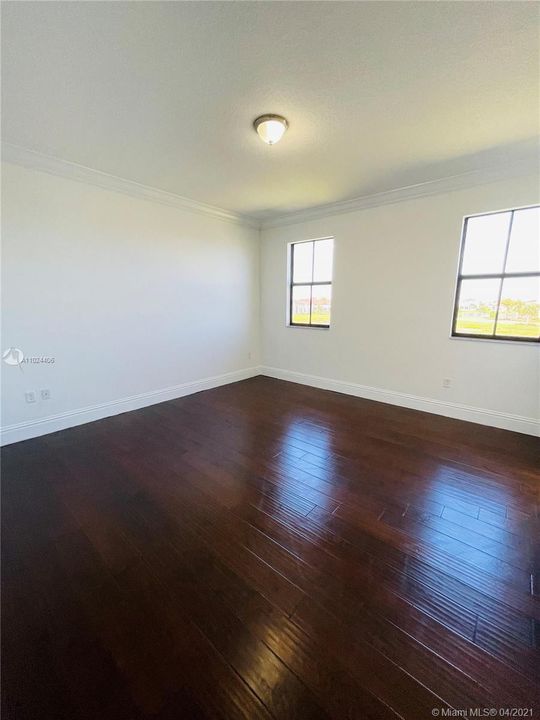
(270, 128)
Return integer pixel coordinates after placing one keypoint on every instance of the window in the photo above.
(310, 290)
(498, 286)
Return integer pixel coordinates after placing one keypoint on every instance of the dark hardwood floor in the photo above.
(268, 550)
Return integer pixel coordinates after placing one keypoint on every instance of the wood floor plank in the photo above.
(269, 550)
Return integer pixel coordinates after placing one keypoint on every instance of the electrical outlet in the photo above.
(30, 396)
(447, 383)
(46, 394)
(249, 356)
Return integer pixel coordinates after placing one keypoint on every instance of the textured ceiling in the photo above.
(378, 94)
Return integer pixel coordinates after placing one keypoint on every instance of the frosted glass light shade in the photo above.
(270, 128)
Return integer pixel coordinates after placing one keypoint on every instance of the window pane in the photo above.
(322, 299)
(519, 312)
(485, 244)
(322, 269)
(524, 250)
(477, 306)
(301, 300)
(302, 262)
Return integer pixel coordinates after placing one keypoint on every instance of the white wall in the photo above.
(394, 277)
(129, 297)
(139, 302)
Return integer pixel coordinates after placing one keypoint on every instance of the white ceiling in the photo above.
(378, 94)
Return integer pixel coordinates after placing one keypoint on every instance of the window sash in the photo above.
(310, 284)
(489, 276)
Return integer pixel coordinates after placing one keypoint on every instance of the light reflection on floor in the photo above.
(450, 518)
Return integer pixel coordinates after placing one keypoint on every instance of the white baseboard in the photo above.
(42, 426)
(493, 418)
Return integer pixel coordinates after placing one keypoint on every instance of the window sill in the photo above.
(520, 343)
(307, 327)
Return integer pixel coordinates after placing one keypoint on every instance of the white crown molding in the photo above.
(52, 423)
(19, 155)
(31, 159)
(481, 176)
(482, 416)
